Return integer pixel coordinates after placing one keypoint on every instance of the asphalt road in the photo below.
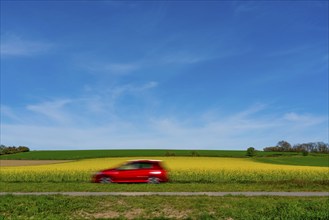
(298, 194)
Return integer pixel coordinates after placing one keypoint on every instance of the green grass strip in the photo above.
(162, 207)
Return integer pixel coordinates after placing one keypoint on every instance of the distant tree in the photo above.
(323, 147)
(169, 154)
(12, 149)
(284, 146)
(23, 149)
(299, 148)
(275, 148)
(251, 152)
(311, 147)
(280, 147)
(194, 153)
(2, 149)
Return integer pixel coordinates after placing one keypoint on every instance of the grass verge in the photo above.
(168, 187)
(162, 207)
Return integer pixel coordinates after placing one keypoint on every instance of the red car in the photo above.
(137, 171)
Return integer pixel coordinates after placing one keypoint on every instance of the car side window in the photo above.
(129, 166)
(145, 165)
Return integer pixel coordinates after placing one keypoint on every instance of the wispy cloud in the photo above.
(248, 127)
(97, 104)
(245, 7)
(12, 45)
(182, 58)
(121, 90)
(291, 51)
(237, 131)
(146, 86)
(119, 69)
(305, 119)
(52, 110)
(111, 68)
(8, 113)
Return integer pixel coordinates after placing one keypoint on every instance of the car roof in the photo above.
(145, 160)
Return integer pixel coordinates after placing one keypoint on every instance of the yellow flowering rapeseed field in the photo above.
(181, 169)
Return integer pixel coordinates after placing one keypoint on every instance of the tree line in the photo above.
(12, 149)
(311, 147)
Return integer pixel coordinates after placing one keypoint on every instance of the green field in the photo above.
(288, 158)
(162, 207)
(84, 154)
(227, 171)
(321, 160)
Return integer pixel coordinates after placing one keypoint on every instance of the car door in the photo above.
(144, 171)
(140, 173)
(128, 172)
(125, 172)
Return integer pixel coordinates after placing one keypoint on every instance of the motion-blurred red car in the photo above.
(137, 171)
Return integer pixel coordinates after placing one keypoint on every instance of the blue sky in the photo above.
(164, 74)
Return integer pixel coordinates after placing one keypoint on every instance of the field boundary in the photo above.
(292, 194)
(19, 163)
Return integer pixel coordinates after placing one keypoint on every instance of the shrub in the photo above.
(194, 153)
(169, 154)
(251, 152)
(12, 149)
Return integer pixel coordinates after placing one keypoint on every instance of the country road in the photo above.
(295, 194)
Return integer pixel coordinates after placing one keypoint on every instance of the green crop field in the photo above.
(321, 160)
(84, 154)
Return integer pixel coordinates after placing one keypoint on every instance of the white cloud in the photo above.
(118, 91)
(52, 109)
(149, 85)
(245, 7)
(7, 112)
(111, 68)
(291, 51)
(96, 105)
(13, 45)
(251, 110)
(182, 58)
(237, 131)
(300, 120)
(249, 127)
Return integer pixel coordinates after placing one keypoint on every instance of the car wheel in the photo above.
(153, 180)
(105, 179)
